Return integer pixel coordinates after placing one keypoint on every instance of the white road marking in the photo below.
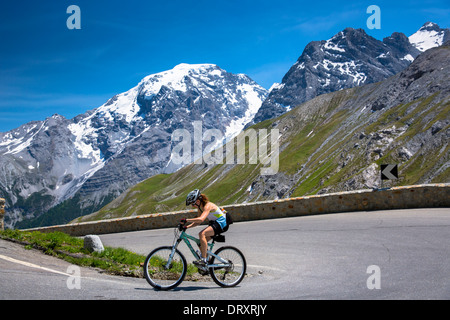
(265, 267)
(31, 265)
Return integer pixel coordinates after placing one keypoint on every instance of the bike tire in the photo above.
(229, 277)
(157, 275)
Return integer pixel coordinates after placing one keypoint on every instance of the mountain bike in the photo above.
(165, 267)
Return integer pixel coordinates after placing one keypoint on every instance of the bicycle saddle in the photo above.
(219, 238)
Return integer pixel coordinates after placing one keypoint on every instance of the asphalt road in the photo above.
(399, 254)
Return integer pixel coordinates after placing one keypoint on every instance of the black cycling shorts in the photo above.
(217, 228)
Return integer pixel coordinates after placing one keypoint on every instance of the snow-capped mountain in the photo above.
(430, 35)
(97, 155)
(350, 58)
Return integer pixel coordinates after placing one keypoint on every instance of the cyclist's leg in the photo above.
(204, 236)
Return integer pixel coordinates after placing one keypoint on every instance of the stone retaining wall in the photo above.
(420, 196)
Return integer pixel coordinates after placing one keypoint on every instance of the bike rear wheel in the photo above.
(161, 274)
(232, 271)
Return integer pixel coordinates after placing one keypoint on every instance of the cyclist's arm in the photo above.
(193, 224)
(199, 220)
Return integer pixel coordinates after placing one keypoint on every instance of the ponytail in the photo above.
(203, 199)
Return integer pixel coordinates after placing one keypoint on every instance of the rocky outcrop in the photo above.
(2, 213)
(351, 58)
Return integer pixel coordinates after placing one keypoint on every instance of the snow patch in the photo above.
(174, 78)
(123, 104)
(408, 57)
(18, 145)
(425, 39)
(329, 45)
(347, 68)
(276, 86)
(254, 101)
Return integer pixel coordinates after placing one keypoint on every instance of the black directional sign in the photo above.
(389, 171)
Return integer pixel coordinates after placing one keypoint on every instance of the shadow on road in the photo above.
(189, 288)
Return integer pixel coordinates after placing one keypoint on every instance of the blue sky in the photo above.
(45, 68)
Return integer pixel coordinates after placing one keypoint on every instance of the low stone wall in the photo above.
(420, 196)
(145, 222)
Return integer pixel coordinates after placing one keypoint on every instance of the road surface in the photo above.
(398, 254)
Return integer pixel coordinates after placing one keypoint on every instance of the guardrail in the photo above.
(419, 196)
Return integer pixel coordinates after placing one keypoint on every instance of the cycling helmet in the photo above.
(192, 197)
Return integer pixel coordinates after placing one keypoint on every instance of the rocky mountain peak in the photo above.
(428, 36)
(350, 58)
(98, 154)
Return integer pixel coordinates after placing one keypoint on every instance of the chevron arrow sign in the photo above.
(389, 171)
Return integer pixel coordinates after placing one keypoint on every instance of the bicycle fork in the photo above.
(172, 253)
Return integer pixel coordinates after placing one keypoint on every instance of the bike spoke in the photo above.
(231, 268)
(164, 271)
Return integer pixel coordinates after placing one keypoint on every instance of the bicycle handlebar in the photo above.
(182, 225)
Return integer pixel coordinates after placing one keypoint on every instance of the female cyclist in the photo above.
(218, 220)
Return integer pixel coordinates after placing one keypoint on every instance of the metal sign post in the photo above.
(2, 213)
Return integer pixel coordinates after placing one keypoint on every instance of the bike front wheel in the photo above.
(229, 270)
(163, 272)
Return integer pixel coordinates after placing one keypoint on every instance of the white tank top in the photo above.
(218, 216)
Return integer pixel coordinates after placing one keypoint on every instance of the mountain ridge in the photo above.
(95, 156)
(350, 58)
(334, 142)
